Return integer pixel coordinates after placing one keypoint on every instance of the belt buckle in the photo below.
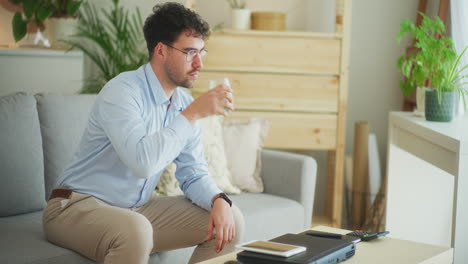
(60, 193)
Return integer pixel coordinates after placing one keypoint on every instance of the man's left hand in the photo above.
(222, 220)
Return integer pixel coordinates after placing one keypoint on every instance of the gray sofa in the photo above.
(38, 135)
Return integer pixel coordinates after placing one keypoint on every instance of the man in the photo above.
(103, 206)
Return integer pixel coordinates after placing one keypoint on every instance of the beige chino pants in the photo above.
(110, 234)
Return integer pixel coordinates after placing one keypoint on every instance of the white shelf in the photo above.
(39, 52)
(427, 181)
(34, 70)
(447, 135)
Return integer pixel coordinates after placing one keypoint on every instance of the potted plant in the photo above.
(112, 39)
(240, 16)
(455, 80)
(63, 20)
(433, 66)
(32, 13)
(36, 12)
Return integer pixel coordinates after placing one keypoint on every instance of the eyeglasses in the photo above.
(189, 55)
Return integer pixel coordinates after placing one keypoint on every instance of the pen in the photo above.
(323, 234)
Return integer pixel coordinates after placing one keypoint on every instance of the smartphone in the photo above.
(271, 248)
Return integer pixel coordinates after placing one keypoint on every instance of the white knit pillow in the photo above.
(168, 184)
(213, 145)
(243, 142)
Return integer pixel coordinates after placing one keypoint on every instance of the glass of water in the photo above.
(215, 82)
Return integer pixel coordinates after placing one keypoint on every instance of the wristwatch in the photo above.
(221, 195)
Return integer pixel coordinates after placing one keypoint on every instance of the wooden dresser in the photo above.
(298, 82)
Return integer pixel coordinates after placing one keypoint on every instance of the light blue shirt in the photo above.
(131, 137)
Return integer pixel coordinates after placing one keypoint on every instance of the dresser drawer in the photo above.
(273, 53)
(296, 130)
(267, 92)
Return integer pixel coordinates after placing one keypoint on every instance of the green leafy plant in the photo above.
(65, 8)
(37, 11)
(112, 39)
(34, 12)
(237, 4)
(434, 54)
(434, 62)
(455, 80)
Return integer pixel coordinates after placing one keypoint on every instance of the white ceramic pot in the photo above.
(240, 19)
(61, 29)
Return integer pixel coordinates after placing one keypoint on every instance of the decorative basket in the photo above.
(273, 21)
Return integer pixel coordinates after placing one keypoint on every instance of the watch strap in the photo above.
(223, 196)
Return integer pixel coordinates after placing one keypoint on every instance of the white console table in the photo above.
(427, 182)
(40, 70)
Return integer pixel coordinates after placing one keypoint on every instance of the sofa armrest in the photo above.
(291, 176)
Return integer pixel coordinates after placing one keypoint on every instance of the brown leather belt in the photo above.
(60, 193)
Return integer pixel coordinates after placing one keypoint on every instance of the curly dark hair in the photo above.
(168, 21)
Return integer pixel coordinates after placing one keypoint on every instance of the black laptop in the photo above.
(320, 250)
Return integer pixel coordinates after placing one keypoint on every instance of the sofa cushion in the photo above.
(267, 216)
(63, 120)
(181, 255)
(23, 241)
(21, 158)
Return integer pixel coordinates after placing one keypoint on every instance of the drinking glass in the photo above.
(215, 82)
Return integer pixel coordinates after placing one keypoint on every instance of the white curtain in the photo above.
(459, 30)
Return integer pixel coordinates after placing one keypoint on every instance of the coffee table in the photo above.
(385, 250)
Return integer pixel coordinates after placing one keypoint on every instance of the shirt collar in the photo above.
(176, 100)
(158, 92)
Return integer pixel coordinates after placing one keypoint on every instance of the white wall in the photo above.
(6, 36)
(374, 78)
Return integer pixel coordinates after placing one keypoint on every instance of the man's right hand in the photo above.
(213, 102)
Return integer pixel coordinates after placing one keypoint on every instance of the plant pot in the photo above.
(240, 19)
(61, 29)
(442, 112)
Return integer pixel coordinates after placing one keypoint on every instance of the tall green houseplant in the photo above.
(113, 39)
(433, 66)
